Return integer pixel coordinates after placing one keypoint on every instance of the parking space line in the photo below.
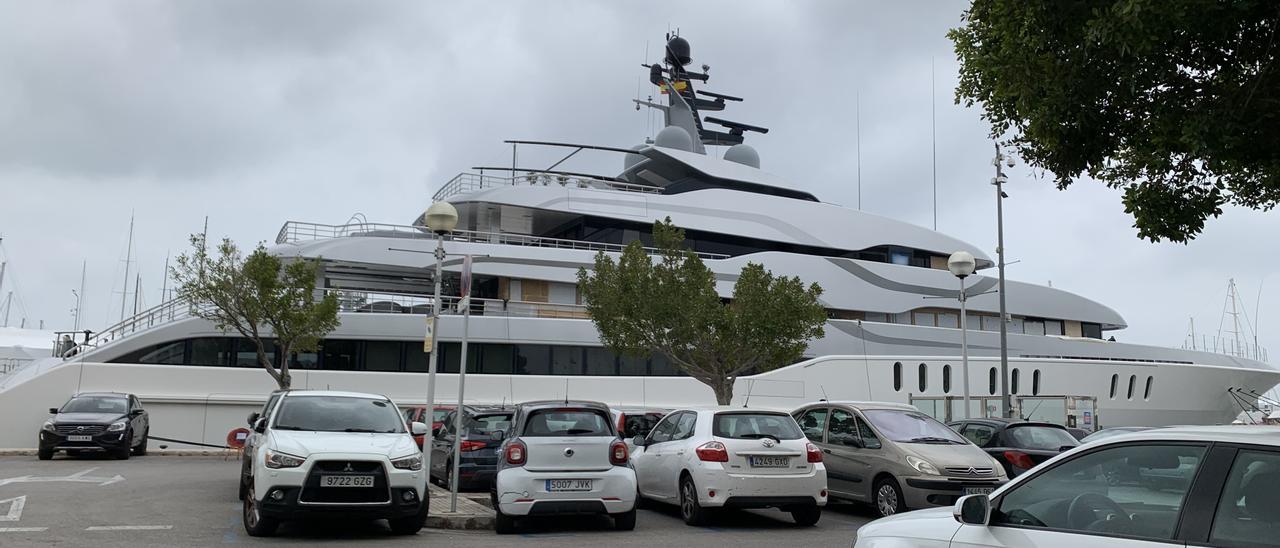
(129, 528)
(23, 529)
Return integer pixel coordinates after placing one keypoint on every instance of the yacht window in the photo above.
(382, 356)
(990, 323)
(924, 377)
(566, 360)
(533, 359)
(170, 353)
(304, 360)
(1133, 379)
(925, 318)
(211, 351)
(415, 360)
(338, 355)
(1033, 327)
(1115, 381)
(1146, 393)
(600, 361)
(1091, 330)
(247, 353)
(974, 322)
(1052, 327)
(897, 376)
(991, 381)
(899, 257)
(1035, 383)
(903, 318)
(660, 366)
(1014, 325)
(949, 320)
(946, 379)
(495, 359)
(1013, 383)
(633, 365)
(877, 317)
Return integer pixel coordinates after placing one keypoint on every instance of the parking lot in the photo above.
(191, 501)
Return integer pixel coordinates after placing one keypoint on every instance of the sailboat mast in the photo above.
(137, 287)
(128, 258)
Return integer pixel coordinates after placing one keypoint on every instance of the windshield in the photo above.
(1040, 437)
(484, 425)
(567, 422)
(440, 413)
(747, 426)
(96, 404)
(338, 414)
(911, 427)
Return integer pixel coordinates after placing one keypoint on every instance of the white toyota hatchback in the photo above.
(336, 455)
(563, 458)
(1181, 486)
(703, 459)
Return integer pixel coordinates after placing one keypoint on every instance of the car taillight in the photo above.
(622, 424)
(516, 453)
(469, 445)
(1019, 459)
(713, 451)
(618, 453)
(812, 452)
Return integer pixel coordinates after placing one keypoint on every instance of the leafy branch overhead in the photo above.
(260, 297)
(669, 305)
(1175, 102)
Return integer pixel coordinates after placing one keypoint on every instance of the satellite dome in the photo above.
(678, 52)
(632, 158)
(743, 154)
(674, 137)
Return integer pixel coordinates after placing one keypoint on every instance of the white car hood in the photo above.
(305, 444)
(936, 524)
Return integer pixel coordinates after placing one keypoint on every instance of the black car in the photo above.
(478, 452)
(96, 421)
(1019, 445)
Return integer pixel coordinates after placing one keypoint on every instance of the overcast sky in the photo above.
(255, 113)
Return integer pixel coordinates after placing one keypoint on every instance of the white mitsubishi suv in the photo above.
(340, 454)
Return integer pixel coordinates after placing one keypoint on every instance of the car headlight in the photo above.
(410, 462)
(117, 426)
(276, 459)
(923, 466)
(48, 426)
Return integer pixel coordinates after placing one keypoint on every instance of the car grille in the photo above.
(970, 472)
(78, 429)
(313, 493)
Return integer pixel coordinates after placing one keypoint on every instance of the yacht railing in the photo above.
(295, 231)
(472, 182)
(1229, 347)
(10, 364)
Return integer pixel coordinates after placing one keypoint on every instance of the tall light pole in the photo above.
(441, 218)
(961, 264)
(999, 182)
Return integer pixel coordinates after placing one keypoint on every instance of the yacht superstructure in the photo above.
(893, 332)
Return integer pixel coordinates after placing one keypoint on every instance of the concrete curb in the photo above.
(446, 520)
(471, 515)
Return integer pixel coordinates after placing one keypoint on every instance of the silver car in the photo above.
(895, 457)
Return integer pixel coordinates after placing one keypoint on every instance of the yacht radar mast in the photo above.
(684, 106)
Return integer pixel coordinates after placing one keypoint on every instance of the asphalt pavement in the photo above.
(191, 501)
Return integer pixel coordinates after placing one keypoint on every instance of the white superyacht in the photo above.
(893, 332)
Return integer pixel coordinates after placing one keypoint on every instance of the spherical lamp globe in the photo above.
(961, 264)
(442, 217)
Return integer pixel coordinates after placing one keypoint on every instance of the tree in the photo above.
(670, 306)
(256, 294)
(1177, 102)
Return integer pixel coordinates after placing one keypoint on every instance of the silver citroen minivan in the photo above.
(894, 456)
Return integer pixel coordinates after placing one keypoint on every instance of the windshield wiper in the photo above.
(932, 439)
(758, 436)
(361, 430)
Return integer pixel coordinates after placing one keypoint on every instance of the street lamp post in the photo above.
(961, 264)
(441, 218)
(999, 182)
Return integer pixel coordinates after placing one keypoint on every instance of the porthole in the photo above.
(991, 381)
(924, 378)
(1115, 381)
(1035, 383)
(946, 379)
(1146, 393)
(897, 378)
(1133, 379)
(1013, 382)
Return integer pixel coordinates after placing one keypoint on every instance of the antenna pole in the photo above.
(137, 287)
(933, 132)
(84, 266)
(8, 303)
(164, 287)
(2, 267)
(128, 258)
(1004, 316)
(857, 100)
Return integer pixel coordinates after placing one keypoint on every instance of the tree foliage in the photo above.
(670, 306)
(260, 296)
(1177, 102)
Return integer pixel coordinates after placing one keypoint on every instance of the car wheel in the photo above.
(502, 523)
(625, 521)
(888, 499)
(123, 453)
(255, 523)
(690, 509)
(44, 454)
(141, 449)
(806, 516)
(410, 525)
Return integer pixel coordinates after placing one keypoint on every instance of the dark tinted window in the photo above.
(660, 366)
(632, 365)
(566, 360)
(247, 353)
(600, 361)
(211, 351)
(415, 359)
(338, 355)
(755, 425)
(496, 359)
(567, 422)
(96, 404)
(897, 376)
(382, 356)
(1039, 437)
(1249, 511)
(161, 354)
(533, 359)
(1091, 330)
(946, 379)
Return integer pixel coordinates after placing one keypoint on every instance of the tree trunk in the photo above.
(287, 379)
(723, 387)
(281, 380)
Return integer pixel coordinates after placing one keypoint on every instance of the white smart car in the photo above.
(335, 454)
(727, 457)
(563, 458)
(1167, 487)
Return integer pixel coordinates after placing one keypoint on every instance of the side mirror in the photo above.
(418, 428)
(973, 510)
(639, 441)
(498, 435)
(53, 410)
(253, 417)
(260, 426)
(136, 413)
